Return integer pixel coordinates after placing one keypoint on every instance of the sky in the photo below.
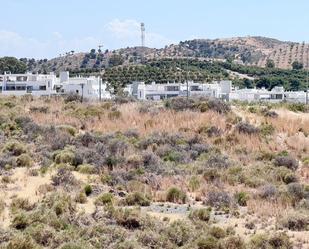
(46, 28)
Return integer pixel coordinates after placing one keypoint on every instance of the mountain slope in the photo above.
(254, 51)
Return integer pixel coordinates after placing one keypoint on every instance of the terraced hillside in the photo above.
(254, 51)
(284, 55)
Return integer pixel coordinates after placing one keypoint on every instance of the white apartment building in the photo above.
(275, 95)
(222, 90)
(21, 84)
(47, 85)
(87, 87)
(154, 91)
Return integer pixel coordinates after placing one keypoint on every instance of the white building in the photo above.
(87, 87)
(47, 85)
(222, 90)
(275, 95)
(154, 91)
(21, 84)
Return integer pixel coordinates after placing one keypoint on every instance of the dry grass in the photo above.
(291, 122)
(269, 209)
(164, 121)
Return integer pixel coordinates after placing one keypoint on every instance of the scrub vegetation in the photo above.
(196, 173)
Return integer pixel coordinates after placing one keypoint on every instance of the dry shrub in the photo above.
(247, 128)
(286, 161)
(218, 199)
(64, 178)
(268, 192)
(295, 221)
(202, 214)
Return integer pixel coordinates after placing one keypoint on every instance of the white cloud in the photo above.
(124, 29)
(128, 33)
(117, 34)
(14, 44)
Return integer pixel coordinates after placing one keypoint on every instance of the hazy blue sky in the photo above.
(46, 28)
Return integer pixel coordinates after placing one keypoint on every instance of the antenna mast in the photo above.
(143, 34)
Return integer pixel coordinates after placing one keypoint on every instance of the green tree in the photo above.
(115, 60)
(270, 64)
(297, 65)
(13, 65)
(295, 85)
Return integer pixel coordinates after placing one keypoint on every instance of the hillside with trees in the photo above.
(251, 51)
(248, 61)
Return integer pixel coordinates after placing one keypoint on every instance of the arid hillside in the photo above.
(195, 173)
(255, 51)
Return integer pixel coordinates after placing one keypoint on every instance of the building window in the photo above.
(172, 88)
(195, 88)
(42, 88)
(20, 88)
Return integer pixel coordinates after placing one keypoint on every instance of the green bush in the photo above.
(68, 128)
(67, 156)
(265, 241)
(233, 242)
(298, 107)
(21, 241)
(20, 221)
(128, 218)
(285, 175)
(104, 199)
(211, 174)
(88, 189)
(176, 195)
(21, 203)
(217, 232)
(241, 198)
(208, 242)
(179, 233)
(106, 179)
(295, 221)
(202, 214)
(24, 160)
(81, 197)
(137, 198)
(280, 240)
(259, 241)
(15, 147)
(267, 129)
(113, 115)
(86, 169)
(194, 183)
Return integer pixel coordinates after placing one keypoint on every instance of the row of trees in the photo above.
(270, 77)
(164, 70)
(295, 65)
(13, 65)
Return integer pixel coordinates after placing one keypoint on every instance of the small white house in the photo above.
(47, 85)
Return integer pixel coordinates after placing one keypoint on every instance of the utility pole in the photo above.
(100, 79)
(307, 68)
(187, 79)
(143, 34)
(187, 74)
(82, 85)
